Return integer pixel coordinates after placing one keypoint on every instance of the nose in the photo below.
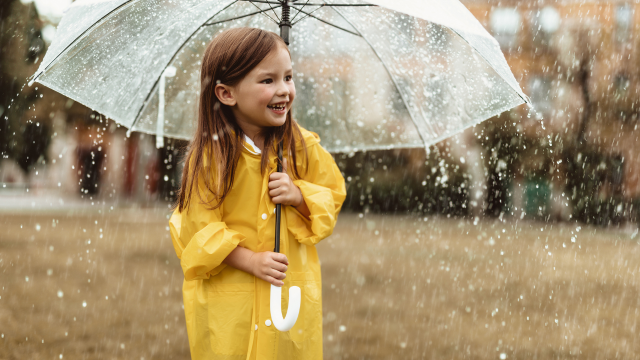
(283, 89)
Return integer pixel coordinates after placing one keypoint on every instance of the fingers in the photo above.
(277, 274)
(280, 267)
(273, 281)
(281, 258)
(277, 178)
(273, 270)
(278, 191)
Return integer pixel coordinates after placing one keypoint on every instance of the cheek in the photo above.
(292, 92)
(264, 96)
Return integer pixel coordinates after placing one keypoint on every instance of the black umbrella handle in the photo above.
(278, 207)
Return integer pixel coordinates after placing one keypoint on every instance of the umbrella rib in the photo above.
(307, 14)
(384, 64)
(274, 12)
(322, 4)
(298, 13)
(76, 39)
(135, 120)
(265, 14)
(521, 94)
(342, 5)
(268, 3)
(324, 21)
(239, 17)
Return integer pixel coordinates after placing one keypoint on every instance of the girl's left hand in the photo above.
(282, 190)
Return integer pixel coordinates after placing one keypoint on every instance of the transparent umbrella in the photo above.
(399, 74)
(373, 75)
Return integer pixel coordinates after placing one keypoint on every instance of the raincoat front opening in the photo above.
(226, 309)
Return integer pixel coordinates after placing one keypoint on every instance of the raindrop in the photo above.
(84, 304)
(60, 294)
(37, 227)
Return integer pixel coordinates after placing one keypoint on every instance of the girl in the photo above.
(223, 225)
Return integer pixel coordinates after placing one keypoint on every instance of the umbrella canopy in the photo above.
(400, 74)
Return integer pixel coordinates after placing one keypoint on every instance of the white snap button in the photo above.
(268, 322)
(264, 216)
(274, 210)
(256, 326)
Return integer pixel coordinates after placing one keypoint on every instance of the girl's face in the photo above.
(264, 96)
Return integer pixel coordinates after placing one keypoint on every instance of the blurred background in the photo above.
(514, 239)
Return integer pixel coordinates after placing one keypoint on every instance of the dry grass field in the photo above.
(89, 285)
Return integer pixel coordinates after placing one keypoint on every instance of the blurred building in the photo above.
(576, 157)
(51, 143)
(573, 158)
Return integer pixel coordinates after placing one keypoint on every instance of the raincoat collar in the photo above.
(254, 149)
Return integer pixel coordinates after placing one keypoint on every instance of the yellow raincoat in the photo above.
(226, 309)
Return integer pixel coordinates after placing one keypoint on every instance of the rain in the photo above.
(487, 148)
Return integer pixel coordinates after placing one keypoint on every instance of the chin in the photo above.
(278, 121)
(281, 122)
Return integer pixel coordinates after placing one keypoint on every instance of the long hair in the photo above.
(227, 60)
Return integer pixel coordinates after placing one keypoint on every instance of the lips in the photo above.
(277, 107)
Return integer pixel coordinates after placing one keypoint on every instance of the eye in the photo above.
(288, 78)
(266, 81)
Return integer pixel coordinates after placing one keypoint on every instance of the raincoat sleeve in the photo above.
(324, 191)
(201, 239)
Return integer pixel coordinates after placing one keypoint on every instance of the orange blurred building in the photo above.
(578, 61)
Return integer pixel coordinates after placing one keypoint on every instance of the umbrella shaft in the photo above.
(278, 206)
(285, 22)
(277, 247)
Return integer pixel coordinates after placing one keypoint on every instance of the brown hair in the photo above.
(227, 60)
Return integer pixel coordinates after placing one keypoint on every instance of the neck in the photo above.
(252, 131)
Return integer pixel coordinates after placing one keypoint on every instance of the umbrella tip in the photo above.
(33, 78)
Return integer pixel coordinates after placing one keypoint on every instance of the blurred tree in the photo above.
(22, 136)
(576, 48)
(170, 168)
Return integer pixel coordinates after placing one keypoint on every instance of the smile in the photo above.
(277, 107)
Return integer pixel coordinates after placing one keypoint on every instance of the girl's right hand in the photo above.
(269, 266)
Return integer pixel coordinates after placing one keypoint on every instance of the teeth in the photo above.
(276, 107)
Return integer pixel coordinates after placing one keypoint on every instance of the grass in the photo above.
(394, 287)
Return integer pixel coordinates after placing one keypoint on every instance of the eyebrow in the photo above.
(273, 74)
